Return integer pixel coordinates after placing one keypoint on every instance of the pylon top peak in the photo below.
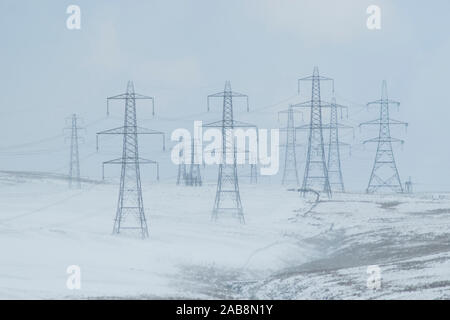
(228, 85)
(384, 92)
(130, 86)
(316, 71)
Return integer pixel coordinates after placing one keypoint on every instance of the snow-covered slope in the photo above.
(278, 253)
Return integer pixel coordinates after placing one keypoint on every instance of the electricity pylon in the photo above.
(290, 172)
(130, 201)
(74, 168)
(334, 155)
(182, 174)
(194, 177)
(384, 176)
(409, 186)
(316, 172)
(228, 198)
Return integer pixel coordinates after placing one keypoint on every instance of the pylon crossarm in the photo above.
(135, 96)
(229, 94)
(242, 124)
(397, 122)
(383, 101)
(325, 104)
(308, 126)
(139, 130)
(128, 161)
(307, 104)
(377, 140)
(314, 78)
(132, 161)
(124, 96)
(230, 124)
(119, 130)
(215, 124)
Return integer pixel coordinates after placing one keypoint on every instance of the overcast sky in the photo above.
(180, 51)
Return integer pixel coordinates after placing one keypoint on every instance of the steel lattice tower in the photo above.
(334, 155)
(290, 172)
(409, 186)
(316, 172)
(182, 175)
(228, 198)
(130, 207)
(194, 177)
(384, 174)
(74, 170)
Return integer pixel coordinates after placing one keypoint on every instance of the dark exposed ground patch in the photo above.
(390, 205)
(432, 212)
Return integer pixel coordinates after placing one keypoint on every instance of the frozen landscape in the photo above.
(280, 253)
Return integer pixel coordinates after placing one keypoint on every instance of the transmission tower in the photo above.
(130, 207)
(228, 198)
(74, 168)
(316, 172)
(194, 178)
(409, 186)
(182, 175)
(384, 176)
(290, 172)
(334, 154)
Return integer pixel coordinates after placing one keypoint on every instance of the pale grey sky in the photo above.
(180, 51)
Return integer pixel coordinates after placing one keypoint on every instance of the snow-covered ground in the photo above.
(277, 254)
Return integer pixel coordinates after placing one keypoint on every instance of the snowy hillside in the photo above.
(277, 254)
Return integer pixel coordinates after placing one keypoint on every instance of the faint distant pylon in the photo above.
(316, 172)
(228, 198)
(182, 173)
(194, 177)
(334, 154)
(409, 186)
(74, 169)
(384, 176)
(130, 201)
(290, 171)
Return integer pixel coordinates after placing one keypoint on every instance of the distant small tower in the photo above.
(74, 169)
(290, 172)
(182, 174)
(194, 178)
(408, 186)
